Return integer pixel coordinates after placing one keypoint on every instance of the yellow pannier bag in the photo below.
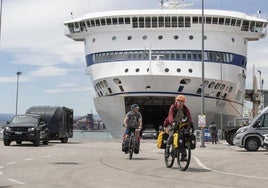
(162, 140)
(175, 140)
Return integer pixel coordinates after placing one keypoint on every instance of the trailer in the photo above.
(59, 120)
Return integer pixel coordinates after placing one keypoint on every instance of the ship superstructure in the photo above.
(149, 56)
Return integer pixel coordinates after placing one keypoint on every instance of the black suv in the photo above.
(29, 127)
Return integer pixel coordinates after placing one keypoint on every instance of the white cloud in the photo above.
(48, 72)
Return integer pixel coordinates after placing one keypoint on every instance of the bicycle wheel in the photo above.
(184, 157)
(169, 156)
(131, 146)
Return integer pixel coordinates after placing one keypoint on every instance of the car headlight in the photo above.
(31, 129)
(7, 128)
(241, 131)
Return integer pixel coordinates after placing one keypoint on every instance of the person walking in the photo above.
(213, 132)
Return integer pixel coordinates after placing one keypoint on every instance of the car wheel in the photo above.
(45, 142)
(252, 144)
(6, 142)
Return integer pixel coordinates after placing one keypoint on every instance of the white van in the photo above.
(250, 137)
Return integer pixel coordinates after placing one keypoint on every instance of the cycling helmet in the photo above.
(134, 106)
(181, 98)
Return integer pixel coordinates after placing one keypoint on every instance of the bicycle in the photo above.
(132, 144)
(180, 148)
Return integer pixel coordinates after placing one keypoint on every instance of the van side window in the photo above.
(265, 122)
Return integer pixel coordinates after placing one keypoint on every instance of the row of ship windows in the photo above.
(160, 37)
(221, 88)
(166, 55)
(167, 22)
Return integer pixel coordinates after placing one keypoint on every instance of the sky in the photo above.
(53, 66)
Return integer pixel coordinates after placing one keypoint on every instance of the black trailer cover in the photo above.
(59, 119)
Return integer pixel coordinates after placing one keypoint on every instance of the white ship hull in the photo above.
(132, 58)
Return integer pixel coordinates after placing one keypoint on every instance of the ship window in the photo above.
(225, 95)
(101, 94)
(166, 70)
(233, 40)
(221, 21)
(238, 23)
(92, 22)
(103, 22)
(181, 21)
(154, 21)
(97, 22)
(135, 22)
(195, 20)
(230, 89)
(126, 70)
(137, 70)
(174, 21)
(190, 70)
(121, 20)
(129, 37)
(144, 37)
(141, 22)
(178, 70)
(245, 25)
(185, 81)
(215, 20)
(160, 37)
(109, 21)
(127, 20)
(227, 21)
(180, 89)
(93, 40)
(233, 22)
(208, 20)
(222, 87)
(167, 21)
(211, 84)
(217, 86)
(105, 83)
(88, 23)
(114, 38)
(121, 89)
(161, 21)
(205, 83)
(114, 20)
(148, 87)
(218, 94)
(187, 22)
(110, 91)
(191, 37)
(199, 91)
(148, 22)
(176, 37)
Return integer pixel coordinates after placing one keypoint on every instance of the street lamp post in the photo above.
(17, 94)
(261, 94)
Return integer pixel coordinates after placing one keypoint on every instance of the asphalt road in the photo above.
(88, 163)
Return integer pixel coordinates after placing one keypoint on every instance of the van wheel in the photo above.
(252, 144)
(64, 140)
(230, 137)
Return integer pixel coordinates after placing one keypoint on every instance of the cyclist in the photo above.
(133, 122)
(178, 112)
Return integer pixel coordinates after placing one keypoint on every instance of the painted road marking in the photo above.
(227, 173)
(16, 181)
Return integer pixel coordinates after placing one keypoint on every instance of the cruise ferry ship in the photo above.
(149, 56)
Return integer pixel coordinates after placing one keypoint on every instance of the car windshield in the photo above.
(24, 119)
